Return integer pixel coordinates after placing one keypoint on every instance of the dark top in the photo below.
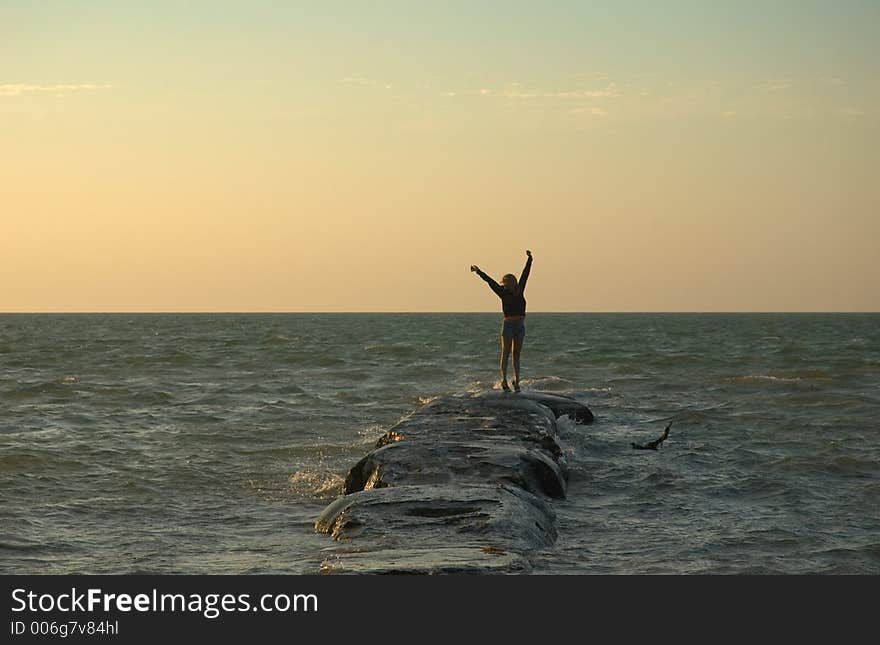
(513, 304)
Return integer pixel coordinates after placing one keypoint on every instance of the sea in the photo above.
(209, 443)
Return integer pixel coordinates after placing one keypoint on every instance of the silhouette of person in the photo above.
(513, 329)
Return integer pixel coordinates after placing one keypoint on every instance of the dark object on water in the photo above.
(653, 445)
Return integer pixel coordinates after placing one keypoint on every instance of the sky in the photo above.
(360, 156)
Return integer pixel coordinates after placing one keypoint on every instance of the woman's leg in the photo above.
(517, 349)
(506, 342)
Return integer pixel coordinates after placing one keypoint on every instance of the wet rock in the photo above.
(532, 468)
(460, 485)
(504, 516)
(559, 404)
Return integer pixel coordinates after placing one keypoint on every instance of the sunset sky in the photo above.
(360, 156)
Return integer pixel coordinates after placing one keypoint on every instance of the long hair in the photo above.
(510, 283)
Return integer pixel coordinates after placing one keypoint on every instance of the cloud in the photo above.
(573, 94)
(589, 111)
(357, 80)
(18, 89)
(515, 91)
(512, 91)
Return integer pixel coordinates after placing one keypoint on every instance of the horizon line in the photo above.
(412, 312)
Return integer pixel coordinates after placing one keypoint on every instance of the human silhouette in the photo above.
(513, 329)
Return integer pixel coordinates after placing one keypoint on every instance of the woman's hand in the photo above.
(529, 253)
(474, 268)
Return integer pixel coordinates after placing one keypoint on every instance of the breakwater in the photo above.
(462, 485)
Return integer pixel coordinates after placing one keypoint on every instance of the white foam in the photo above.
(550, 382)
(316, 484)
(766, 377)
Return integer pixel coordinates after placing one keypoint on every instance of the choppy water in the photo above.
(209, 443)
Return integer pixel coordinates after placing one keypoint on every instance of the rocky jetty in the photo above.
(463, 485)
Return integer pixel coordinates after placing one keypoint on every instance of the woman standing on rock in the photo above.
(513, 330)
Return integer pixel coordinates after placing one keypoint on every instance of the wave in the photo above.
(57, 388)
(694, 413)
(144, 397)
(74, 389)
(281, 339)
(175, 358)
(313, 359)
(833, 465)
(56, 461)
(754, 485)
(11, 545)
(551, 382)
(793, 376)
(312, 483)
(393, 350)
(765, 377)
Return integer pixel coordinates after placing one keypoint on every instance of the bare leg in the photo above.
(517, 349)
(505, 355)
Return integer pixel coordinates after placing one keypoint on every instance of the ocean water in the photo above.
(209, 443)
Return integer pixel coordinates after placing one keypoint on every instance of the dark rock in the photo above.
(560, 404)
(501, 516)
(417, 463)
(460, 485)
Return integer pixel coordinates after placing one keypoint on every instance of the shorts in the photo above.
(515, 329)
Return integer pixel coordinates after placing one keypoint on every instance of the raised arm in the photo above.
(497, 288)
(524, 277)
